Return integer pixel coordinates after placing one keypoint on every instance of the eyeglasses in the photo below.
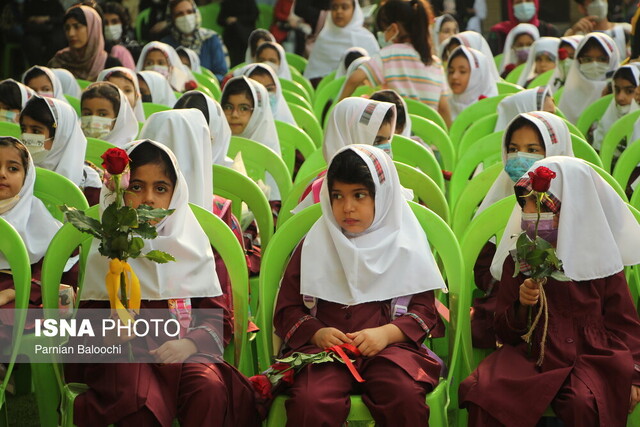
(243, 109)
(589, 59)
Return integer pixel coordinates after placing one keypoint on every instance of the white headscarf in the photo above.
(354, 120)
(186, 133)
(560, 73)
(481, 81)
(342, 68)
(475, 41)
(125, 127)
(282, 111)
(68, 81)
(333, 41)
(579, 91)
(435, 34)
(520, 102)
(544, 45)
(352, 67)
(556, 140)
(67, 153)
(25, 91)
(611, 115)
(508, 57)
(137, 109)
(192, 275)
(597, 233)
(179, 74)
(255, 33)
(31, 219)
(406, 131)
(161, 90)
(281, 70)
(218, 128)
(392, 258)
(58, 93)
(194, 59)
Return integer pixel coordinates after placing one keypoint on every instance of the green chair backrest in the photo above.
(294, 196)
(75, 103)
(238, 188)
(424, 189)
(498, 60)
(299, 78)
(593, 112)
(328, 93)
(291, 139)
(478, 129)
(207, 72)
(259, 159)
(96, 148)
(83, 83)
(10, 129)
(472, 114)
(141, 19)
(265, 17)
(293, 98)
(471, 197)
(311, 164)
(308, 122)
(56, 190)
(583, 150)
(622, 128)
(558, 95)
(325, 81)
(572, 128)
(420, 109)
(150, 108)
(506, 88)
(211, 83)
(626, 164)
(414, 154)
(514, 74)
(364, 90)
(541, 80)
(295, 88)
(296, 61)
(432, 134)
(209, 15)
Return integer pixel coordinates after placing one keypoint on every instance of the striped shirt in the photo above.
(398, 66)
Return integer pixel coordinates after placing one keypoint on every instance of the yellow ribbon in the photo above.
(132, 286)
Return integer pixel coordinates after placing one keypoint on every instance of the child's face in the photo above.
(459, 73)
(624, 91)
(29, 125)
(549, 105)
(12, 172)
(341, 12)
(76, 33)
(238, 110)
(100, 107)
(111, 19)
(593, 53)
(269, 55)
(155, 57)
(266, 81)
(144, 87)
(353, 206)
(570, 49)
(450, 48)
(447, 30)
(523, 40)
(185, 60)
(384, 136)
(42, 85)
(526, 140)
(126, 87)
(149, 185)
(544, 63)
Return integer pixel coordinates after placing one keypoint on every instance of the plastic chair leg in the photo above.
(69, 394)
(47, 393)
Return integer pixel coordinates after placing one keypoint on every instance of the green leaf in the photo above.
(135, 247)
(559, 276)
(147, 213)
(120, 243)
(159, 256)
(127, 217)
(82, 222)
(146, 231)
(110, 218)
(542, 244)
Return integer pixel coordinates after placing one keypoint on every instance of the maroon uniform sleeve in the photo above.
(509, 328)
(481, 270)
(213, 329)
(421, 318)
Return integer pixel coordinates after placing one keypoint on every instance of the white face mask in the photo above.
(598, 8)
(46, 94)
(95, 126)
(113, 32)
(186, 24)
(623, 109)
(594, 70)
(35, 145)
(8, 116)
(524, 12)
(162, 69)
(382, 41)
(7, 204)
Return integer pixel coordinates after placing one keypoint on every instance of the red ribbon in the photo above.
(340, 351)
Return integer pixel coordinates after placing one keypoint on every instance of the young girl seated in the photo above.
(543, 57)
(13, 97)
(256, 38)
(155, 88)
(127, 82)
(164, 59)
(444, 28)
(189, 380)
(566, 55)
(525, 101)
(475, 41)
(107, 115)
(342, 29)
(469, 78)
(264, 74)
(273, 53)
(340, 286)
(51, 131)
(596, 57)
(517, 47)
(44, 82)
(589, 372)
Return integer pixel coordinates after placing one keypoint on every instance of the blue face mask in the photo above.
(273, 101)
(386, 148)
(519, 163)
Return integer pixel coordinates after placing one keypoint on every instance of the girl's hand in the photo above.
(176, 351)
(328, 337)
(6, 296)
(635, 397)
(111, 336)
(372, 341)
(529, 292)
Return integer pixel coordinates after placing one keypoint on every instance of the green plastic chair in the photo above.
(83, 83)
(424, 189)
(478, 129)
(420, 109)
(259, 159)
(274, 262)
(294, 196)
(295, 87)
(265, 16)
(211, 83)
(593, 112)
(291, 139)
(325, 81)
(506, 88)
(141, 19)
(311, 164)
(207, 72)
(626, 164)
(75, 103)
(15, 252)
(412, 153)
(293, 98)
(541, 80)
(209, 15)
(558, 95)
(10, 129)
(498, 60)
(308, 123)
(296, 61)
(432, 134)
(150, 108)
(514, 74)
(325, 95)
(583, 150)
(472, 114)
(622, 128)
(300, 79)
(96, 148)
(55, 190)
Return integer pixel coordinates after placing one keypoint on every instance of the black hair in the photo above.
(448, 18)
(413, 16)
(267, 45)
(593, 42)
(121, 75)
(174, 3)
(236, 87)
(183, 54)
(388, 117)
(105, 90)
(352, 56)
(258, 34)
(10, 94)
(121, 11)
(519, 123)
(260, 70)
(34, 73)
(626, 74)
(38, 110)
(76, 13)
(9, 141)
(455, 53)
(193, 100)
(348, 167)
(146, 153)
(390, 95)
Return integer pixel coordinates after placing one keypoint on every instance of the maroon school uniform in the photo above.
(483, 310)
(592, 357)
(396, 380)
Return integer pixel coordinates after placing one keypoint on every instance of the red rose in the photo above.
(279, 366)
(509, 68)
(115, 160)
(190, 85)
(262, 386)
(481, 97)
(541, 179)
(288, 377)
(563, 54)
